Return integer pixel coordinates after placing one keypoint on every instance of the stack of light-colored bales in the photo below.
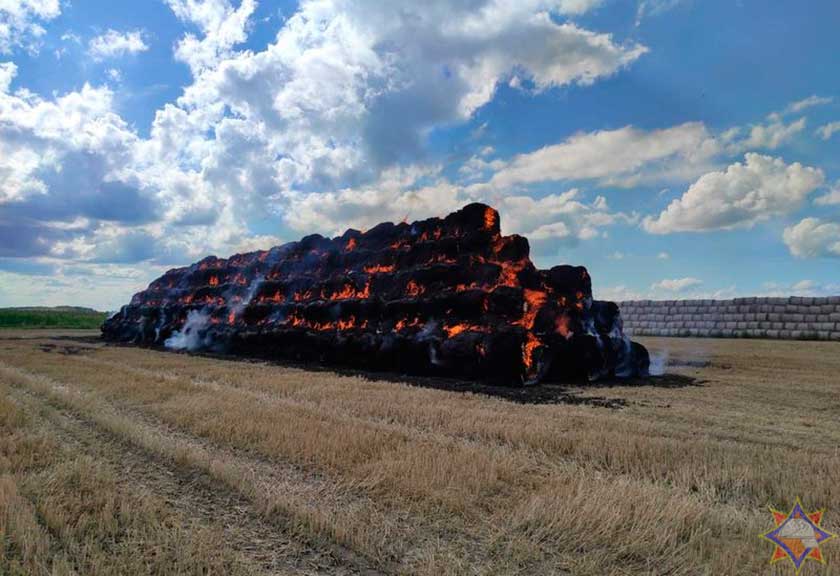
(796, 318)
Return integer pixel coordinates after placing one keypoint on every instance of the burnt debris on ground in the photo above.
(443, 297)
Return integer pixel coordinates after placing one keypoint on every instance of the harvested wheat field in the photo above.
(117, 460)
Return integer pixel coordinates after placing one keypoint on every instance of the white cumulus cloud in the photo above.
(8, 71)
(745, 193)
(417, 192)
(830, 198)
(826, 131)
(813, 237)
(20, 22)
(769, 136)
(222, 26)
(622, 156)
(565, 216)
(648, 8)
(809, 102)
(676, 284)
(114, 44)
(349, 89)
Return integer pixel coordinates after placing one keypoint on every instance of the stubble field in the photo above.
(118, 460)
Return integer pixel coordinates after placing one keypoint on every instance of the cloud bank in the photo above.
(745, 193)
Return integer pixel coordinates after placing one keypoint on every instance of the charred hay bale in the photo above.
(448, 296)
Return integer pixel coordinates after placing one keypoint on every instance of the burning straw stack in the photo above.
(447, 296)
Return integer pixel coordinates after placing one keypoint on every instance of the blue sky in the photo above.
(676, 148)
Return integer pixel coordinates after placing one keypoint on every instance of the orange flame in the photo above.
(351, 245)
(347, 292)
(414, 289)
(214, 281)
(303, 296)
(343, 324)
(489, 218)
(350, 291)
(534, 300)
(436, 234)
(561, 326)
(403, 324)
(293, 319)
(465, 287)
(510, 272)
(455, 329)
(364, 292)
(379, 269)
(528, 349)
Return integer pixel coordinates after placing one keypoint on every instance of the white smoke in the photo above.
(193, 335)
(658, 362)
(252, 291)
(434, 355)
(428, 330)
(624, 347)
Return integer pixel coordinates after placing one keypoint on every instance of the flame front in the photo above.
(379, 269)
(455, 282)
(455, 329)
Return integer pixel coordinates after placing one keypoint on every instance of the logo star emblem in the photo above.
(798, 536)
